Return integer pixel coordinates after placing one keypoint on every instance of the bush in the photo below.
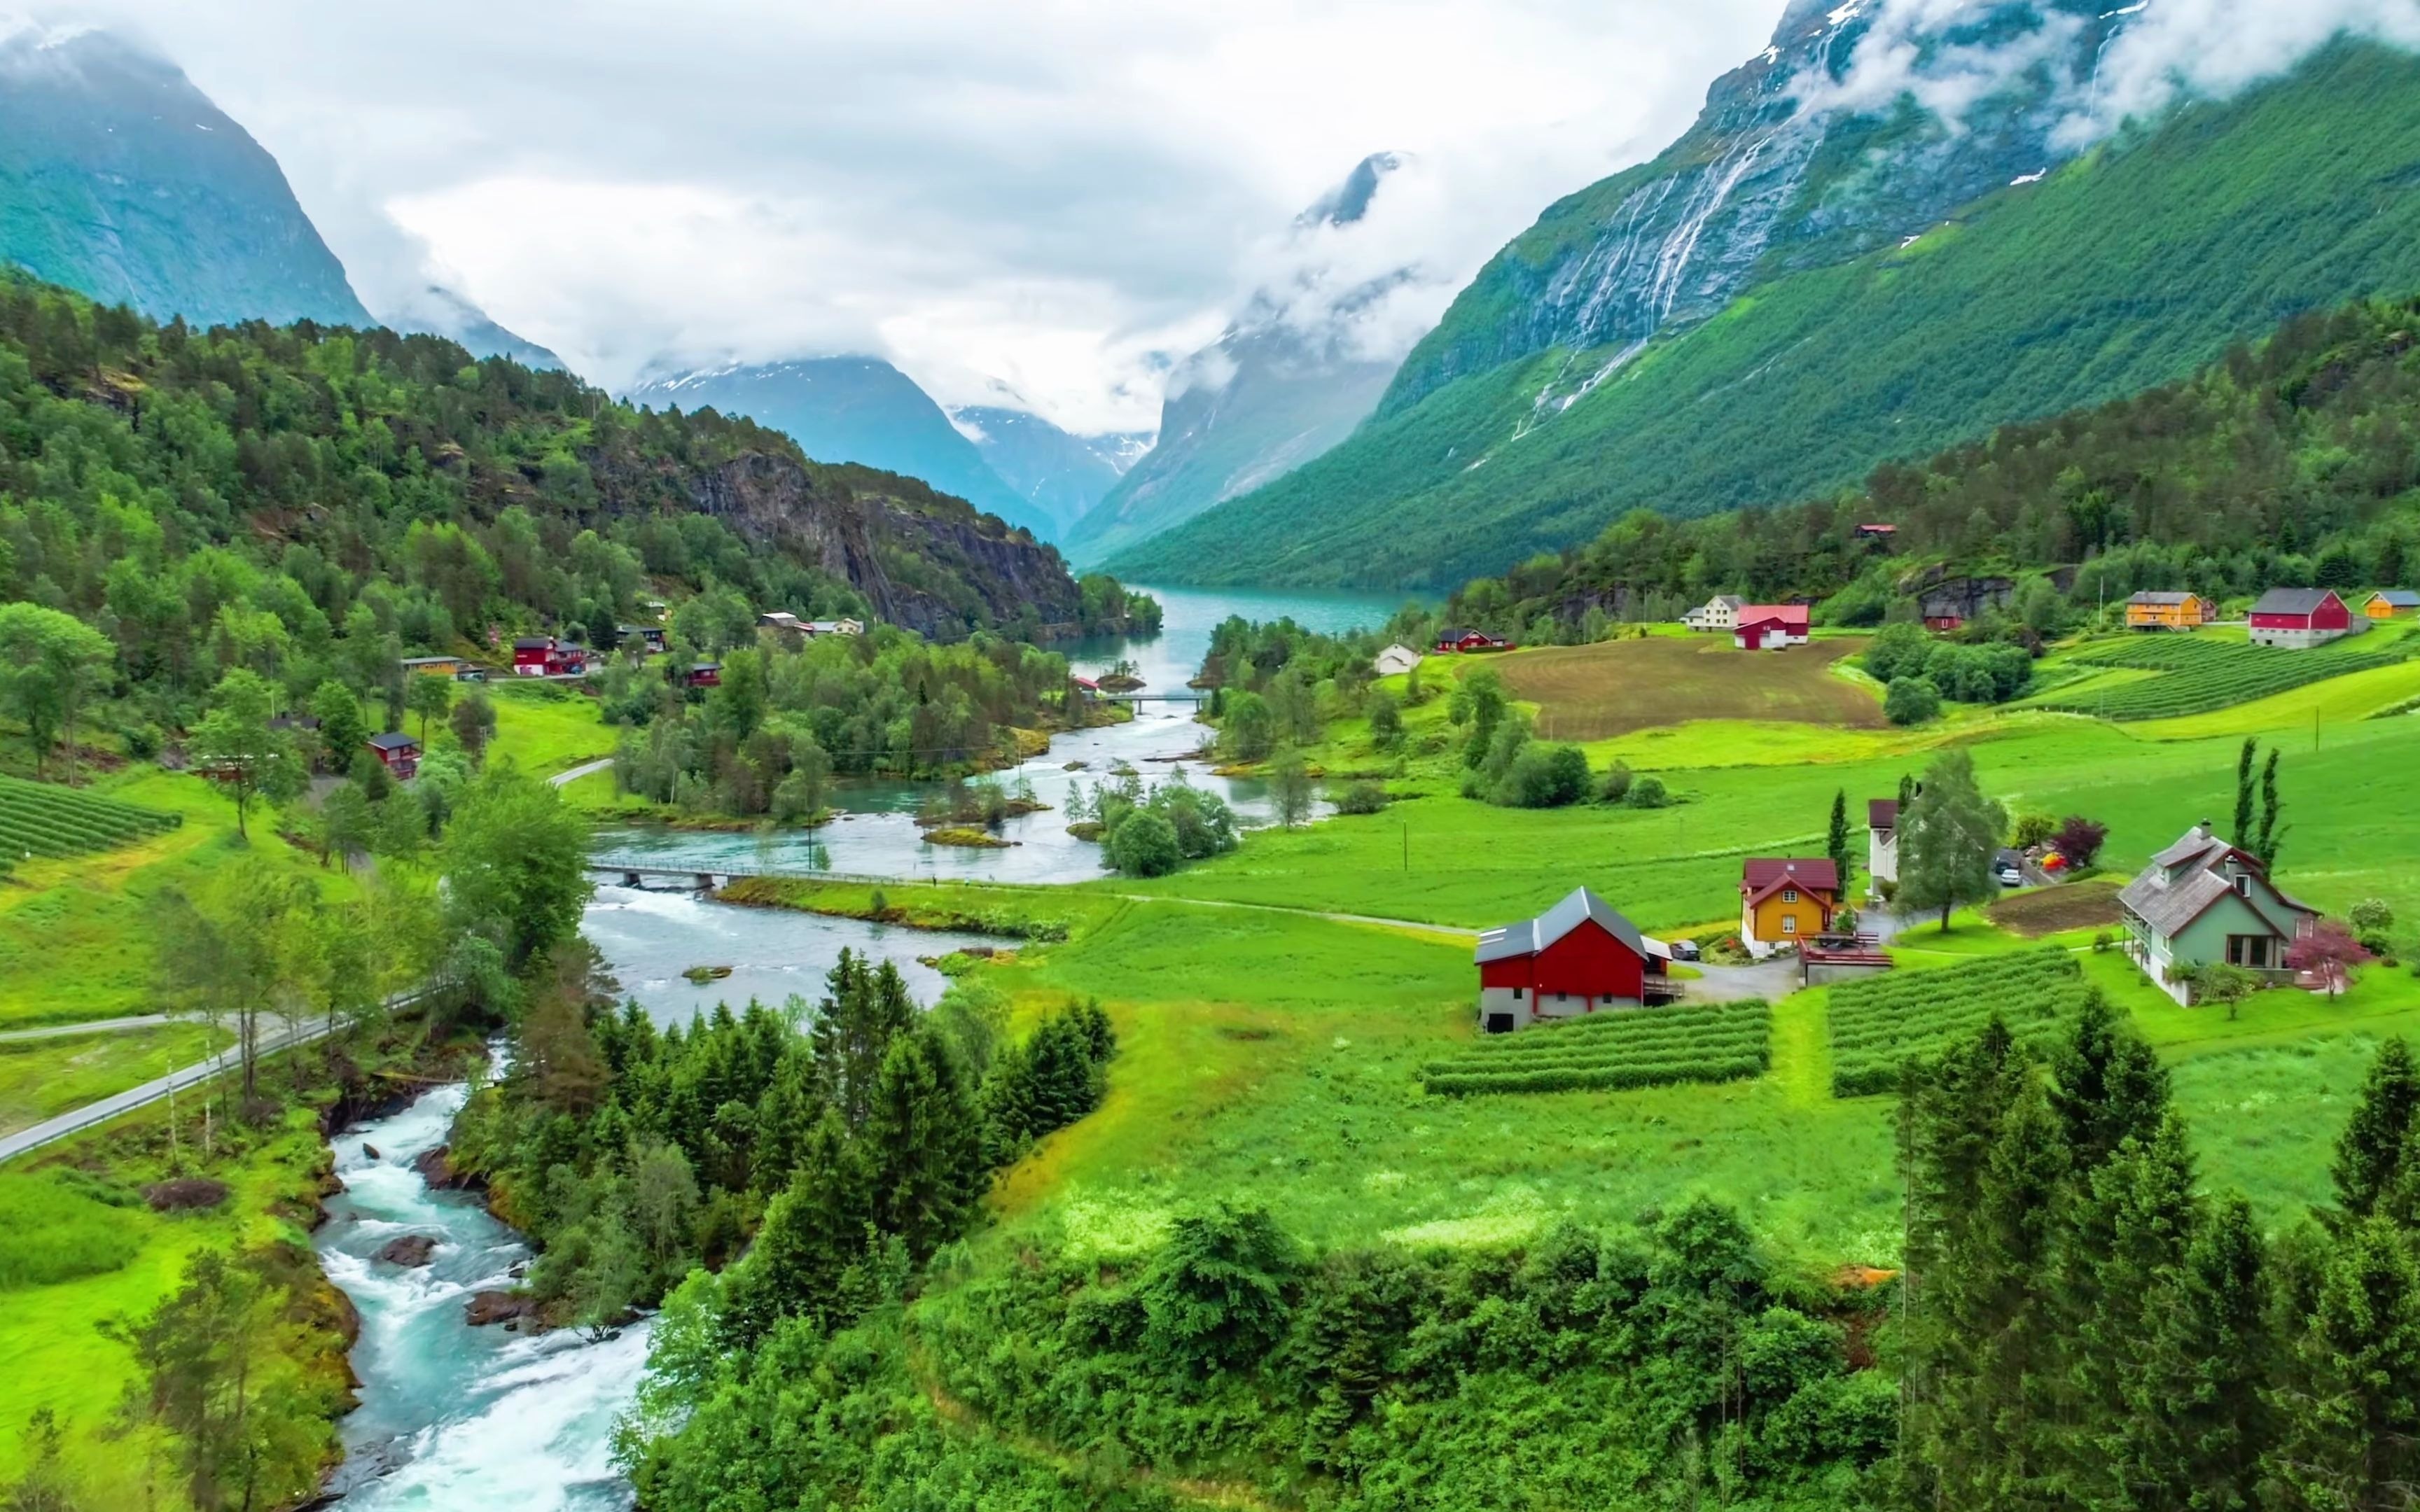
(1386, 721)
(1543, 777)
(2033, 828)
(1912, 701)
(1361, 797)
(1647, 793)
(2079, 840)
(1143, 845)
(1617, 782)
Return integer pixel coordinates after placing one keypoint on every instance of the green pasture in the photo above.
(42, 1078)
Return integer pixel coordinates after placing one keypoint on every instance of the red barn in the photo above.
(397, 752)
(1455, 637)
(1575, 958)
(1770, 626)
(2299, 618)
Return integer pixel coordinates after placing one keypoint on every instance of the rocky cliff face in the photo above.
(923, 561)
(1818, 150)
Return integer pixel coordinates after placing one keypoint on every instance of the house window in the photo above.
(1517, 994)
(1790, 895)
(2244, 885)
(1789, 924)
(2254, 951)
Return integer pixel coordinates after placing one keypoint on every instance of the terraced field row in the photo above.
(1637, 1048)
(1881, 1023)
(2196, 674)
(38, 818)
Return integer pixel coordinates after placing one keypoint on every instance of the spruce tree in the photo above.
(925, 1144)
(1836, 840)
(2351, 1438)
(2107, 1084)
(865, 1006)
(2242, 834)
(2371, 1149)
(2272, 834)
(818, 1226)
(2204, 1418)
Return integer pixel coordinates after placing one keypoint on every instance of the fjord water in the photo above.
(482, 1420)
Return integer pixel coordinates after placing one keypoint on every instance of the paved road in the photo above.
(277, 1034)
(599, 764)
(117, 1025)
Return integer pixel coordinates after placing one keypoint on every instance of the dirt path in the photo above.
(1453, 930)
(117, 1025)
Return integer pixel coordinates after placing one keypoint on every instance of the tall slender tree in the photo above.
(2244, 812)
(2272, 833)
(1836, 838)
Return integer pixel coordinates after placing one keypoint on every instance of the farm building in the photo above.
(2392, 604)
(649, 637)
(1881, 842)
(439, 666)
(1785, 900)
(1396, 660)
(2201, 903)
(782, 620)
(1455, 637)
(2300, 618)
(1770, 626)
(1575, 958)
(704, 674)
(543, 656)
(835, 627)
(397, 752)
(1720, 612)
(2169, 612)
(1085, 689)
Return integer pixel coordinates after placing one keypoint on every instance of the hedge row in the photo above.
(1881, 1023)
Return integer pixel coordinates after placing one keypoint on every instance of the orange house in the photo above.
(1786, 899)
(2169, 612)
(2392, 604)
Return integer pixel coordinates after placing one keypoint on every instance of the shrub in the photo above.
(2079, 840)
(1386, 721)
(1143, 845)
(2101, 941)
(1616, 786)
(2033, 828)
(1647, 793)
(1362, 797)
(1912, 701)
(1543, 777)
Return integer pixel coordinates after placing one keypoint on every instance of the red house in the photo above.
(543, 656)
(1453, 638)
(1575, 958)
(1876, 532)
(1770, 626)
(705, 675)
(2300, 618)
(397, 752)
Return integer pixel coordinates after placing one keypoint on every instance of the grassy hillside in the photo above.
(2124, 270)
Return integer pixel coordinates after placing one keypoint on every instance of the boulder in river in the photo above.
(369, 1152)
(410, 1250)
(499, 1307)
(436, 1167)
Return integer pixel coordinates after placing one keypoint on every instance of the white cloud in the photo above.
(1057, 195)
(2214, 48)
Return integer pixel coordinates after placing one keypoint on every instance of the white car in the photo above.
(2010, 876)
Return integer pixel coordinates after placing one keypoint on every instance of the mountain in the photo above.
(1286, 381)
(1820, 276)
(120, 180)
(437, 311)
(1060, 473)
(854, 409)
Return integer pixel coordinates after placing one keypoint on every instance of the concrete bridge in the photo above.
(1186, 694)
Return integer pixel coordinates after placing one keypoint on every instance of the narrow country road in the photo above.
(284, 1035)
(586, 768)
(1453, 930)
(117, 1025)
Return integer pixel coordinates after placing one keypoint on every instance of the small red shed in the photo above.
(2299, 618)
(397, 752)
(1575, 958)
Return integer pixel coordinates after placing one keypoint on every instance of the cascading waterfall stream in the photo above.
(451, 1416)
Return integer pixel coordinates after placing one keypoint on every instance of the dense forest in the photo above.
(2291, 462)
(313, 503)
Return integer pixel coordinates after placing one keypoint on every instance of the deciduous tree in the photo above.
(1947, 838)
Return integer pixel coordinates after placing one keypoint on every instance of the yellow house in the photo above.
(1786, 899)
(2393, 602)
(2169, 612)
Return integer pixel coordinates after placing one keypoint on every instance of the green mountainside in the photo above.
(2124, 269)
(120, 180)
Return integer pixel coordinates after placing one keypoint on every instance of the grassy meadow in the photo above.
(42, 1078)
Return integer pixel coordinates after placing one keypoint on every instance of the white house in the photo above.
(1397, 659)
(1720, 612)
(1882, 844)
(833, 627)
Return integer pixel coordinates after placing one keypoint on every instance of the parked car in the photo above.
(1686, 950)
(471, 674)
(2007, 868)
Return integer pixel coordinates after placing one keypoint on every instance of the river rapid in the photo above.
(470, 1419)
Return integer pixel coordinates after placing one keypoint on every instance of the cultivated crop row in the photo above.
(1881, 1023)
(2197, 674)
(1629, 1047)
(36, 819)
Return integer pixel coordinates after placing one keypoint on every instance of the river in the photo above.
(482, 1420)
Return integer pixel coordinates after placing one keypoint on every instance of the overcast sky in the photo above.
(1054, 195)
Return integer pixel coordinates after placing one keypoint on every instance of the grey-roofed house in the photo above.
(1578, 957)
(2203, 901)
(2298, 619)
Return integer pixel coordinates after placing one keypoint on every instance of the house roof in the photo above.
(394, 740)
(705, 666)
(1533, 935)
(1881, 813)
(2164, 600)
(2184, 880)
(2291, 600)
(535, 643)
(1879, 529)
(427, 662)
(1762, 877)
(1732, 599)
(2399, 597)
(1793, 616)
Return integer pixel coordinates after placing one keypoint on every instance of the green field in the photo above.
(42, 1078)
(1616, 688)
(2194, 675)
(40, 819)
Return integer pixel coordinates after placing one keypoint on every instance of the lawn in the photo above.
(1596, 693)
(76, 940)
(42, 1078)
(544, 727)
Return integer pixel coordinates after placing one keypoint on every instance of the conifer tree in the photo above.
(2243, 833)
(2272, 834)
(2107, 1084)
(925, 1144)
(1836, 839)
(2205, 1418)
(2371, 1149)
(2351, 1438)
(820, 1225)
(863, 1007)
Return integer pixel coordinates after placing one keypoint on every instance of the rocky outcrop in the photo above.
(436, 1167)
(510, 1308)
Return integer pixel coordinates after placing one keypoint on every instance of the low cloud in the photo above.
(2216, 48)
